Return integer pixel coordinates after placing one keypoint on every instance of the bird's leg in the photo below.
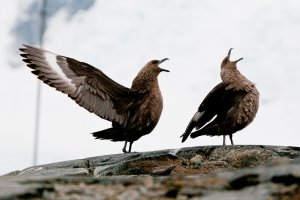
(124, 148)
(224, 143)
(130, 145)
(125, 145)
(230, 136)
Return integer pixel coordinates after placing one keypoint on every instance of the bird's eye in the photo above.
(155, 62)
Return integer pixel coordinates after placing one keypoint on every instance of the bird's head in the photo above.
(229, 72)
(227, 64)
(153, 66)
(148, 74)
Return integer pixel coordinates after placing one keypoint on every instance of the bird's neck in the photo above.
(145, 82)
(233, 75)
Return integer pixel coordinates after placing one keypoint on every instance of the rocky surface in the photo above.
(210, 172)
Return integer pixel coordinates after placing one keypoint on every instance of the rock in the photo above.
(197, 159)
(185, 161)
(67, 168)
(211, 172)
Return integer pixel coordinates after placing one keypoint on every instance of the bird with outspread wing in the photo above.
(134, 112)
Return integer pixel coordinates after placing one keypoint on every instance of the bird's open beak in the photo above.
(228, 55)
(161, 61)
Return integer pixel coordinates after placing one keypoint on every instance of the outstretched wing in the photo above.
(85, 84)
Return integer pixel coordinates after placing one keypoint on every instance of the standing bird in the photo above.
(229, 107)
(134, 112)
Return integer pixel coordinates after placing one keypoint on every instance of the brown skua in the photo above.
(229, 107)
(134, 112)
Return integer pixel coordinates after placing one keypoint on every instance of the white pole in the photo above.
(38, 97)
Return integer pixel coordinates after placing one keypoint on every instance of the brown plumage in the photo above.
(233, 102)
(134, 111)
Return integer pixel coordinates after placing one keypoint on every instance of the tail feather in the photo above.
(188, 130)
(193, 123)
(207, 130)
(112, 134)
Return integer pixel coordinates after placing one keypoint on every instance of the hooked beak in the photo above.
(161, 61)
(229, 52)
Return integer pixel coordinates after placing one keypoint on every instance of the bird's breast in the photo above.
(150, 109)
(248, 107)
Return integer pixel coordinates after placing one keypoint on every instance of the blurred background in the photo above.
(119, 37)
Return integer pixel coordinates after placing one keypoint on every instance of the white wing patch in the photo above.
(51, 58)
(56, 71)
(197, 116)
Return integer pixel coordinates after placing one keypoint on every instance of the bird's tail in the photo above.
(207, 130)
(193, 123)
(109, 134)
(188, 130)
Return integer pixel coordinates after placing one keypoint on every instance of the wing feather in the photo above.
(88, 86)
(216, 103)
